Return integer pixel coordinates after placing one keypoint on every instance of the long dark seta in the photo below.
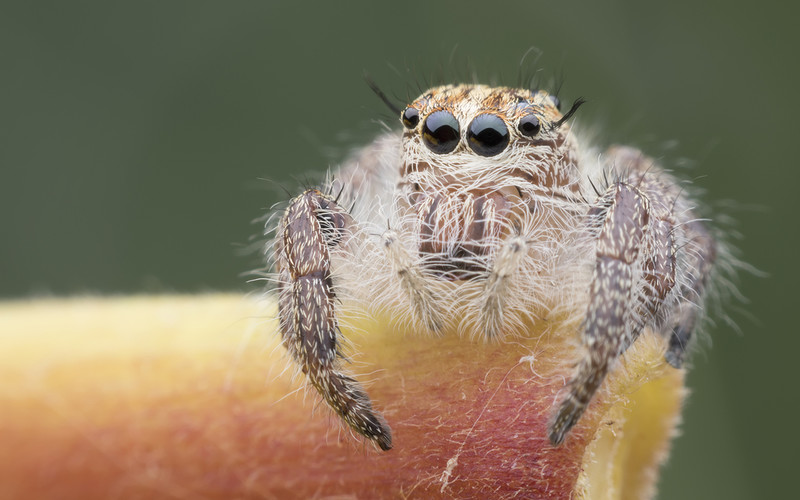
(575, 105)
(378, 92)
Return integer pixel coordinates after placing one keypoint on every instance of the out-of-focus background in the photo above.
(135, 139)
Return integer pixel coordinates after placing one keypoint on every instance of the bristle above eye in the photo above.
(378, 92)
(575, 105)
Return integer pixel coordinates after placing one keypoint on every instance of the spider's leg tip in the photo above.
(381, 433)
(385, 443)
(675, 359)
(556, 433)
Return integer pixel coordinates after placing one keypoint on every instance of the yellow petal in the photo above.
(193, 397)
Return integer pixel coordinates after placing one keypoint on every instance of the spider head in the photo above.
(473, 158)
(479, 134)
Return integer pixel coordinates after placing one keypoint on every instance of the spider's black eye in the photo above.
(488, 135)
(440, 132)
(556, 101)
(529, 126)
(410, 117)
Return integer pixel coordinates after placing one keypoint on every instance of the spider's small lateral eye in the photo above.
(440, 132)
(488, 135)
(556, 101)
(529, 126)
(410, 117)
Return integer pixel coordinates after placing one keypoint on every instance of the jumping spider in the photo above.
(483, 214)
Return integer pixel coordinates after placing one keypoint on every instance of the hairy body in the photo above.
(485, 215)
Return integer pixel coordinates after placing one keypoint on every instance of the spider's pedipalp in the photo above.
(413, 282)
(496, 286)
(312, 224)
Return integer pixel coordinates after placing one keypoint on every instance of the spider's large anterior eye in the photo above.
(440, 132)
(410, 117)
(488, 135)
(529, 126)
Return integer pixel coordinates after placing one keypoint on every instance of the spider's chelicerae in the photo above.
(483, 215)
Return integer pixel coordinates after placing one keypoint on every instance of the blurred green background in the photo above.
(133, 137)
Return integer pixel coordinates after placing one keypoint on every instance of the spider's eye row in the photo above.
(556, 101)
(440, 132)
(529, 126)
(410, 117)
(488, 135)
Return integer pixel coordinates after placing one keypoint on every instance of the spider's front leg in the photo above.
(627, 287)
(698, 250)
(700, 256)
(311, 227)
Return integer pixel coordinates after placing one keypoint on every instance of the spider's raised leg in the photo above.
(700, 252)
(312, 225)
(629, 225)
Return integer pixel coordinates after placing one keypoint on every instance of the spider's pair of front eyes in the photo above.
(487, 134)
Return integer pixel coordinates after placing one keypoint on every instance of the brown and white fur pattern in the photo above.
(489, 243)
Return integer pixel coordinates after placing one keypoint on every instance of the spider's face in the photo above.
(474, 160)
(475, 134)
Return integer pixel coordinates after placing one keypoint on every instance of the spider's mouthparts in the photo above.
(463, 224)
